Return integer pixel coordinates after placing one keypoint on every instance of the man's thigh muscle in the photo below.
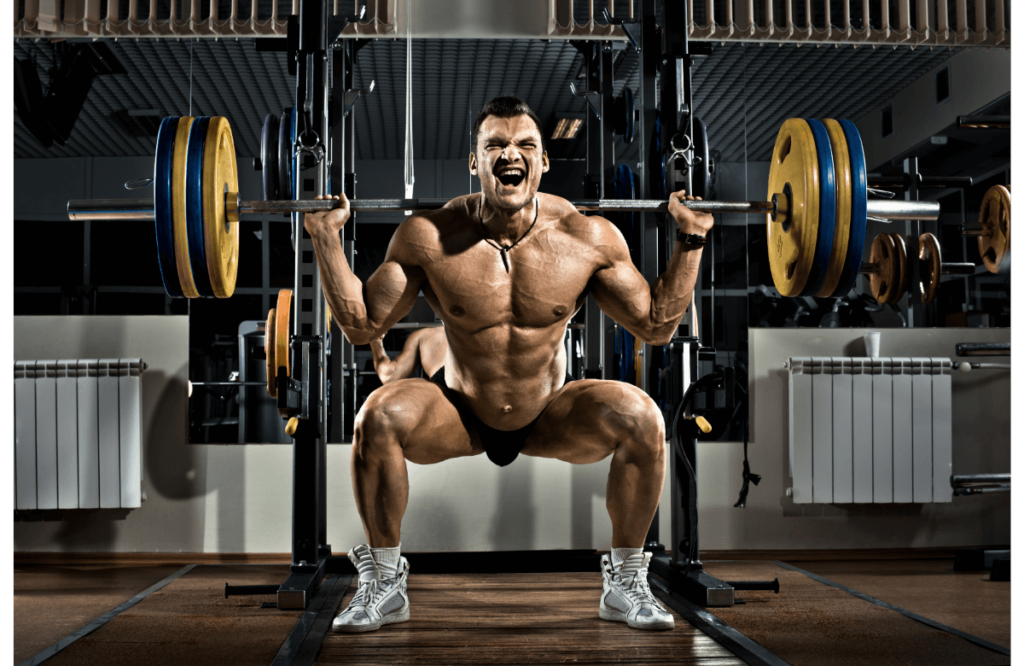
(420, 416)
(589, 418)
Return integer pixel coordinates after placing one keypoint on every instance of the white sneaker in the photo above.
(379, 600)
(627, 596)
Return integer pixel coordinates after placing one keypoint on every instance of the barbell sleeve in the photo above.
(142, 209)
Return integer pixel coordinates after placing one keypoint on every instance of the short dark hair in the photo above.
(506, 106)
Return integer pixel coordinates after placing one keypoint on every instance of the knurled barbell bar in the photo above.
(196, 207)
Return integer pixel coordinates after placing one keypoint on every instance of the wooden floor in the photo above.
(547, 618)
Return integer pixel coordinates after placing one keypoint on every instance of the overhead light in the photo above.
(567, 126)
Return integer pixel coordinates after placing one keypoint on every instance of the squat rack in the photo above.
(324, 159)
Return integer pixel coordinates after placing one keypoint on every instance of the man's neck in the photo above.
(507, 227)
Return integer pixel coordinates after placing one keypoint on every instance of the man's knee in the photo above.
(639, 422)
(384, 420)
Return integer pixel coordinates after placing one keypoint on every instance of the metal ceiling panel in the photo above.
(743, 92)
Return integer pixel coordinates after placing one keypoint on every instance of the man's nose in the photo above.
(509, 153)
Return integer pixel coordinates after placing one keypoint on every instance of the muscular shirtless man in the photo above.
(505, 270)
(427, 346)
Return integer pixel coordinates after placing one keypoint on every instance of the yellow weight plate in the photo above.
(792, 236)
(930, 267)
(179, 164)
(844, 201)
(994, 216)
(901, 254)
(283, 335)
(885, 268)
(220, 175)
(270, 349)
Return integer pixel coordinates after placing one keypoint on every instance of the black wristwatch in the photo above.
(695, 240)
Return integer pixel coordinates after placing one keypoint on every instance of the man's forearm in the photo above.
(381, 362)
(672, 292)
(342, 289)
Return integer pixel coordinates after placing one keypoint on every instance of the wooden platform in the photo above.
(545, 618)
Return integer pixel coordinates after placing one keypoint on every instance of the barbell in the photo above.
(196, 207)
(993, 230)
(888, 272)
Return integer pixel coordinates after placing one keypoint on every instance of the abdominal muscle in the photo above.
(506, 374)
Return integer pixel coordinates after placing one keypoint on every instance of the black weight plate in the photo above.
(702, 161)
(284, 155)
(162, 207)
(268, 155)
(630, 113)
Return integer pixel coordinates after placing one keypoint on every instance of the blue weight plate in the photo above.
(162, 207)
(859, 212)
(284, 155)
(827, 208)
(630, 111)
(194, 206)
(268, 156)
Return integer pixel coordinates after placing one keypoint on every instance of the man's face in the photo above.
(509, 161)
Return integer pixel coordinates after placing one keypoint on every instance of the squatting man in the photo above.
(505, 270)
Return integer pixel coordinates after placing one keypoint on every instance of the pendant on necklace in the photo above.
(504, 257)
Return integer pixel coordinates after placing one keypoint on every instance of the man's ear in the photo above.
(472, 164)
(546, 162)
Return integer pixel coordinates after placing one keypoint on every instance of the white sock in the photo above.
(387, 559)
(619, 555)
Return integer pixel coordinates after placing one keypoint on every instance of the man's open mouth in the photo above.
(511, 177)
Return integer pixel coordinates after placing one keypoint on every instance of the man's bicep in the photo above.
(623, 293)
(391, 292)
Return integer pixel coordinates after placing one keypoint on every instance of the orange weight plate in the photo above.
(282, 357)
(994, 216)
(929, 267)
(885, 266)
(901, 254)
(270, 349)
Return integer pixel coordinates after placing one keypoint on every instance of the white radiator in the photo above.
(870, 430)
(78, 434)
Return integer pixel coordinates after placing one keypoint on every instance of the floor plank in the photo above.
(511, 619)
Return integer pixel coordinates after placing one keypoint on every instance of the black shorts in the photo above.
(501, 446)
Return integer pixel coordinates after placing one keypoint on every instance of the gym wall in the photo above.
(235, 498)
(219, 498)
